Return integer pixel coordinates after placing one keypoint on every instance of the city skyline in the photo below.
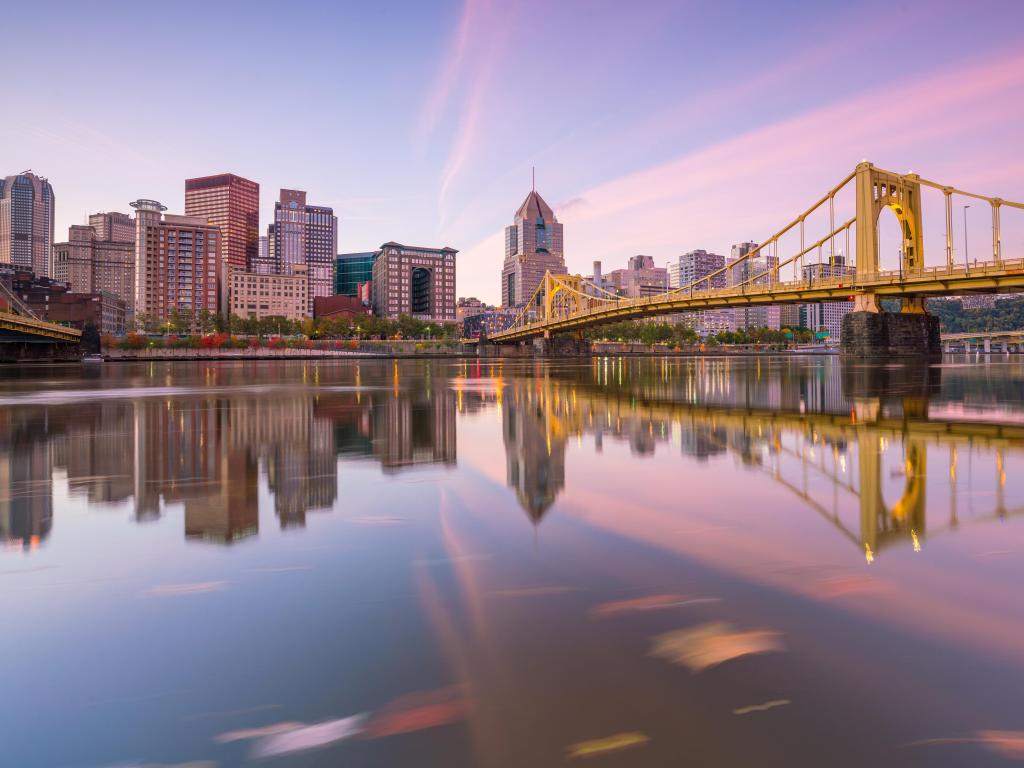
(656, 168)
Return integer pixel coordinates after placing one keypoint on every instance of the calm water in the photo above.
(760, 562)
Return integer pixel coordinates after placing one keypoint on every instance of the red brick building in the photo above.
(338, 306)
(50, 300)
(232, 204)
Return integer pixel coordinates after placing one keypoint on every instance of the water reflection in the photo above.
(854, 445)
(513, 564)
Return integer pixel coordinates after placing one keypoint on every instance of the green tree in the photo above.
(178, 321)
(207, 321)
(147, 323)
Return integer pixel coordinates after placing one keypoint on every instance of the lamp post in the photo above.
(966, 262)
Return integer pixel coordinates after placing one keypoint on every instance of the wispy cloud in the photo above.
(440, 93)
(490, 36)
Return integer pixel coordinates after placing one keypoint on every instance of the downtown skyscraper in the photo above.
(232, 204)
(533, 246)
(26, 222)
(305, 235)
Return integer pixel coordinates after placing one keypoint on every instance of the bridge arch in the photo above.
(876, 191)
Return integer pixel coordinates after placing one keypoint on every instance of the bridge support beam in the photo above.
(889, 334)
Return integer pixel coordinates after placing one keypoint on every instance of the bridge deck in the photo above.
(990, 277)
(36, 329)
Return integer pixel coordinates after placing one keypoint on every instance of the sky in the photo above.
(654, 127)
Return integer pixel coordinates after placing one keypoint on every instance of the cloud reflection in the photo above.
(709, 645)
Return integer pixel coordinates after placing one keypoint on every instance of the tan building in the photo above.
(257, 296)
(408, 280)
(177, 262)
(640, 278)
(468, 307)
(533, 246)
(112, 226)
(99, 258)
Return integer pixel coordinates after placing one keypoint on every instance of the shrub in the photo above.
(134, 341)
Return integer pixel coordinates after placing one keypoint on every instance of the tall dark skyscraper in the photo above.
(26, 222)
(233, 204)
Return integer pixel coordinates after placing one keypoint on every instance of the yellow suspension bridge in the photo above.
(20, 325)
(570, 303)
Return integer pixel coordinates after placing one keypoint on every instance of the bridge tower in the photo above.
(879, 523)
(867, 331)
(877, 190)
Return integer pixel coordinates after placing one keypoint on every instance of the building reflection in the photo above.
(852, 445)
(26, 484)
(534, 448)
(209, 453)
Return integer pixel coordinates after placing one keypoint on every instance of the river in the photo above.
(765, 561)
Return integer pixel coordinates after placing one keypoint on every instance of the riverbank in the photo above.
(396, 349)
(413, 349)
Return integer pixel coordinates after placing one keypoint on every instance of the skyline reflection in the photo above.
(851, 444)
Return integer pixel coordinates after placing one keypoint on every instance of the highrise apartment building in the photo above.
(826, 317)
(640, 278)
(308, 235)
(752, 271)
(692, 266)
(687, 269)
(232, 204)
(408, 280)
(26, 222)
(99, 258)
(177, 262)
(533, 246)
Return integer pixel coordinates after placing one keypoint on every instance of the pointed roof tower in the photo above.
(534, 207)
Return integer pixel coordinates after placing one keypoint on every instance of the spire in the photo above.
(533, 181)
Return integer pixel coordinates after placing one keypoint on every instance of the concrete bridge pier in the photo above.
(870, 332)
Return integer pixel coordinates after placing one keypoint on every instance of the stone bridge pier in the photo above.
(870, 332)
(562, 346)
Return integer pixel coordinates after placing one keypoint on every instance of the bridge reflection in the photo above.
(866, 448)
(835, 438)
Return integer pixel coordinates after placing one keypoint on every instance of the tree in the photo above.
(178, 321)
(410, 327)
(147, 323)
(207, 321)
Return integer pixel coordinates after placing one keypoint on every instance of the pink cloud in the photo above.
(748, 186)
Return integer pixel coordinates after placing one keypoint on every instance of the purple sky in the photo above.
(655, 127)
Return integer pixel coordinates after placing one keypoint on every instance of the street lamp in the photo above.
(966, 263)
